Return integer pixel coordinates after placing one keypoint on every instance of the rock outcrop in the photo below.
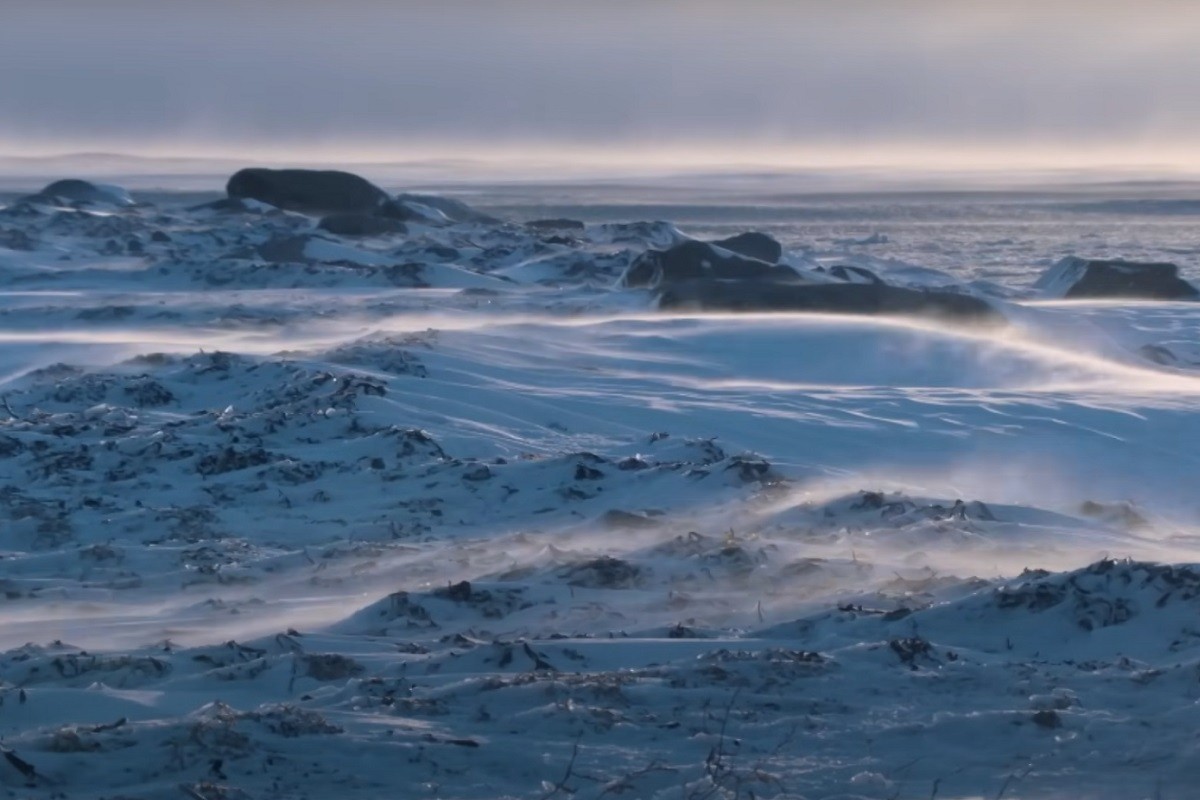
(753, 244)
(360, 225)
(309, 191)
(828, 298)
(75, 192)
(1080, 278)
(693, 260)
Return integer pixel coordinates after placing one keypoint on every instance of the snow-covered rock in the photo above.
(79, 193)
(1080, 278)
(752, 244)
(694, 260)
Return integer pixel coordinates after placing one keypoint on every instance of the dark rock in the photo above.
(753, 245)
(399, 606)
(330, 666)
(632, 464)
(1047, 719)
(149, 393)
(232, 460)
(555, 225)
(585, 473)
(750, 468)
(458, 592)
(360, 225)
(692, 261)
(832, 298)
(868, 501)
(854, 274)
(284, 250)
(71, 189)
(1158, 354)
(603, 573)
(1123, 514)
(1076, 278)
(539, 662)
(307, 190)
(479, 472)
(75, 192)
(911, 650)
(1031, 596)
(681, 631)
(977, 510)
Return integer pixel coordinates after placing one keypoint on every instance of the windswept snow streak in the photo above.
(442, 512)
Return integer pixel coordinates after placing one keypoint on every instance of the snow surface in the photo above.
(446, 514)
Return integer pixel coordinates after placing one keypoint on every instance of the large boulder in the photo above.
(753, 244)
(827, 298)
(76, 192)
(1079, 278)
(692, 260)
(310, 191)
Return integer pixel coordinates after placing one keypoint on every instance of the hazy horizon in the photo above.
(924, 86)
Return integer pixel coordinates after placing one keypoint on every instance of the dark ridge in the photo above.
(826, 298)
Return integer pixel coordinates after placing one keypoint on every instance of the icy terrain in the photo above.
(446, 512)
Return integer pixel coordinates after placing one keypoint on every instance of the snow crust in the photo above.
(445, 513)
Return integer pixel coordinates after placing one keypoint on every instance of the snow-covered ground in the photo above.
(445, 513)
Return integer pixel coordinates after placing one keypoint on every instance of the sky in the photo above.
(952, 82)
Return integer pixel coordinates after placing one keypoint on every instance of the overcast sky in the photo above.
(447, 78)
